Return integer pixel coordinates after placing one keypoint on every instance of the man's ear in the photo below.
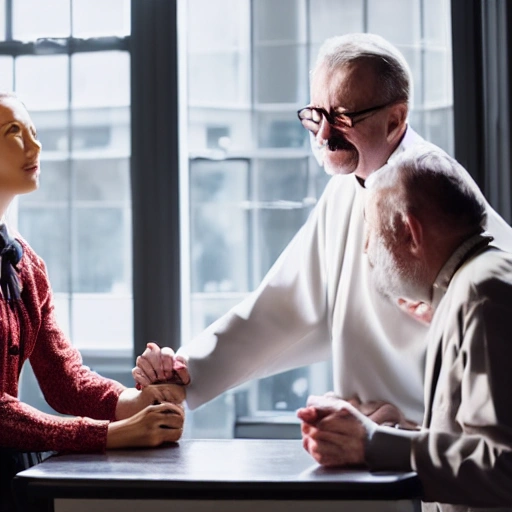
(396, 120)
(414, 234)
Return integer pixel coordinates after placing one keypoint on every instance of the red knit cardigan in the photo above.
(28, 330)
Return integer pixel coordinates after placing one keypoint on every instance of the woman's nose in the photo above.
(33, 145)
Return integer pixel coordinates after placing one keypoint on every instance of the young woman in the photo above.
(106, 414)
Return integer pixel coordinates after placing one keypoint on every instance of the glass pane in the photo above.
(95, 18)
(436, 23)
(280, 130)
(399, 21)
(42, 81)
(100, 79)
(285, 392)
(53, 184)
(218, 217)
(102, 180)
(220, 78)
(227, 130)
(330, 18)
(34, 18)
(103, 248)
(101, 131)
(6, 73)
(218, 25)
(438, 77)
(2, 20)
(46, 228)
(276, 228)
(282, 181)
(279, 71)
(279, 21)
(112, 324)
(53, 132)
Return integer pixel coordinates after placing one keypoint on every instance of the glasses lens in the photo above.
(310, 119)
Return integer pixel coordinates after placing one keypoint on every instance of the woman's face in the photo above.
(19, 150)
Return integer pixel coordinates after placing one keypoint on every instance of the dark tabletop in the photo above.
(202, 469)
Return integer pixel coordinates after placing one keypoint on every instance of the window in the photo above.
(252, 178)
(68, 61)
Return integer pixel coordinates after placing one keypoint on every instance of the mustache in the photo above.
(336, 142)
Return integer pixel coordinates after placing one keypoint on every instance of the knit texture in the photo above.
(28, 330)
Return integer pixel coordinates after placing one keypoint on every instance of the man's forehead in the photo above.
(345, 86)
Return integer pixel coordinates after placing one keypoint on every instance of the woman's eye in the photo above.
(13, 129)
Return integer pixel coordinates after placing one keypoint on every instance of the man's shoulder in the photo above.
(487, 276)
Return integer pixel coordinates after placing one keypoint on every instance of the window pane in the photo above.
(399, 21)
(35, 18)
(102, 249)
(279, 21)
(100, 79)
(2, 20)
(101, 131)
(6, 73)
(112, 325)
(219, 52)
(218, 216)
(42, 81)
(102, 181)
(53, 184)
(46, 228)
(94, 18)
(280, 130)
(329, 18)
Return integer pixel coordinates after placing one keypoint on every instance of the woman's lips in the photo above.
(31, 168)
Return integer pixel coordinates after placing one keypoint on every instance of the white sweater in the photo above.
(316, 302)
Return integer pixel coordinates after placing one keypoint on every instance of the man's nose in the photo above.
(324, 131)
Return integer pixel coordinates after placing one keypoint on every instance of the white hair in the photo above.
(390, 67)
(427, 182)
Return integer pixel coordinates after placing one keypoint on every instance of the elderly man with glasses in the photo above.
(316, 301)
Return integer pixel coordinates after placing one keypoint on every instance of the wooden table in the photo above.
(209, 475)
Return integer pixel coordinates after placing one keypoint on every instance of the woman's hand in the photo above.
(131, 400)
(151, 427)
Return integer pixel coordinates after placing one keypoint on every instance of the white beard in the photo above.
(392, 278)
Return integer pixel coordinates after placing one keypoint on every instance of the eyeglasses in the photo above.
(311, 117)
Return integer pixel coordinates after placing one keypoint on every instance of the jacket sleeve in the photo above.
(67, 385)
(27, 429)
(474, 467)
(281, 325)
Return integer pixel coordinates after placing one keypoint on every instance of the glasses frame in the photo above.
(342, 119)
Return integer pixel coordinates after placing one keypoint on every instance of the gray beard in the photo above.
(393, 279)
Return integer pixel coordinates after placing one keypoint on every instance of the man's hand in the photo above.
(153, 426)
(418, 310)
(158, 365)
(334, 432)
(132, 400)
(383, 413)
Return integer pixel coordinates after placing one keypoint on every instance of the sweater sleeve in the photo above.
(281, 325)
(27, 429)
(67, 385)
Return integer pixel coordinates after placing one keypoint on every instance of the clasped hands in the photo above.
(335, 431)
(153, 413)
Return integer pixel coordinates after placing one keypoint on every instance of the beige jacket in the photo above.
(463, 455)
